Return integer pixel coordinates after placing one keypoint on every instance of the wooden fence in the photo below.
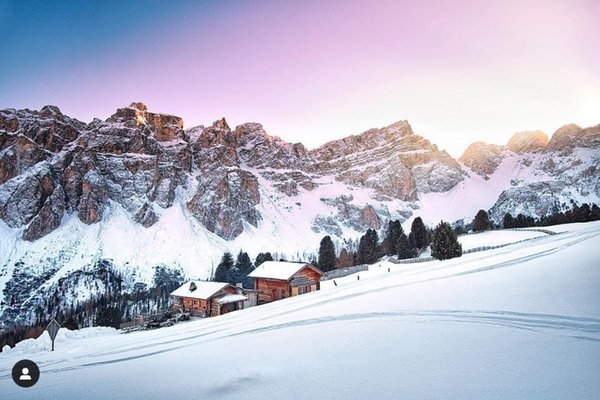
(338, 273)
(546, 231)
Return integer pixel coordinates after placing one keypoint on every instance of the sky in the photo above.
(312, 71)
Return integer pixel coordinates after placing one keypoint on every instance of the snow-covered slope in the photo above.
(522, 321)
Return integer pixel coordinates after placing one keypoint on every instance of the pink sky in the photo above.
(458, 71)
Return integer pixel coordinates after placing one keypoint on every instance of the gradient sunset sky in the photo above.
(458, 71)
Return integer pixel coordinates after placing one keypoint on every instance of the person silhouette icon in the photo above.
(25, 375)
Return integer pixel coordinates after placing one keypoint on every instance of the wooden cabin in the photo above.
(276, 280)
(209, 299)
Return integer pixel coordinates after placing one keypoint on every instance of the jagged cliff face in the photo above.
(393, 161)
(134, 158)
(53, 165)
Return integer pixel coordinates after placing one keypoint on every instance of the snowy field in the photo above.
(519, 322)
(492, 238)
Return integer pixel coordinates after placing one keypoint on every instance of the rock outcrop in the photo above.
(526, 142)
(482, 158)
(393, 161)
(22, 198)
(135, 158)
(571, 136)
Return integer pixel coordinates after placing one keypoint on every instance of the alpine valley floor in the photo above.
(519, 322)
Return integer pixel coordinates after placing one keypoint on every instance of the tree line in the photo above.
(109, 304)
(577, 213)
(443, 240)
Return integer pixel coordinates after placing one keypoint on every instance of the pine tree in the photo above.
(224, 268)
(262, 257)
(584, 213)
(368, 247)
(243, 266)
(344, 260)
(326, 254)
(108, 316)
(70, 324)
(403, 248)
(481, 222)
(523, 221)
(391, 239)
(595, 212)
(508, 222)
(444, 244)
(419, 236)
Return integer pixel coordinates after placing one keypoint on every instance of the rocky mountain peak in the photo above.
(138, 106)
(164, 127)
(570, 136)
(527, 141)
(400, 127)
(256, 148)
(50, 111)
(368, 140)
(482, 158)
(569, 129)
(221, 124)
(391, 160)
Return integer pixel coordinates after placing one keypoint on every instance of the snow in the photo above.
(522, 321)
(471, 195)
(231, 298)
(203, 291)
(64, 337)
(498, 237)
(277, 270)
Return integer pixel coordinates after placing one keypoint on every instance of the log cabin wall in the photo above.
(194, 304)
(197, 307)
(200, 306)
(311, 275)
(213, 306)
(271, 290)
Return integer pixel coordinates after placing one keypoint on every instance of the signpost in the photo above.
(52, 329)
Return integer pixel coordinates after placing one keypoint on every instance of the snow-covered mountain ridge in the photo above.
(141, 191)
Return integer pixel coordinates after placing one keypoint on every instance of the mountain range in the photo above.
(140, 190)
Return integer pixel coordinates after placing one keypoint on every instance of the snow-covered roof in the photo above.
(282, 270)
(231, 298)
(204, 290)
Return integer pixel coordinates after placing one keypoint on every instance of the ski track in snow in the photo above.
(577, 328)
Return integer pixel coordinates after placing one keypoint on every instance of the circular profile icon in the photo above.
(25, 373)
